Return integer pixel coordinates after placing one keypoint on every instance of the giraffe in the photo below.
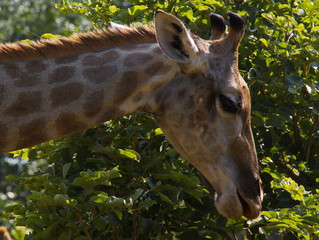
(192, 87)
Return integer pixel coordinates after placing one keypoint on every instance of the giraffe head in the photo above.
(205, 111)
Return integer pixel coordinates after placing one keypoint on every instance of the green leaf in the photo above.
(189, 15)
(312, 220)
(65, 169)
(147, 203)
(11, 178)
(135, 10)
(119, 214)
(60, 199)
(137, 193)
(83, 182)
(50, 36)
(165, 198)
(113, 173)
(189, 235)
(129, 154)
(100, 198)
(158, 131)
(264, 41)
(100, 224)
(113, 9)
(65, 236)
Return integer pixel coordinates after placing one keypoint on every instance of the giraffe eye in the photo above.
(229, 105)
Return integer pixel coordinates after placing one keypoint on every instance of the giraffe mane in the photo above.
(80, 43)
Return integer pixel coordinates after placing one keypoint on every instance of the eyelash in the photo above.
(229, 105)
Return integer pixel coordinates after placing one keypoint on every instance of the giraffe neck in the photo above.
(45, 99)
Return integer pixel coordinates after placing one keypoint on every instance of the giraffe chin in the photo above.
(234, 205)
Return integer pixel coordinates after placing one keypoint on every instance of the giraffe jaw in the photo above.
(231, 200)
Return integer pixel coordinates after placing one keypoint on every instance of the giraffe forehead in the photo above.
(226, 76)
(189, 91)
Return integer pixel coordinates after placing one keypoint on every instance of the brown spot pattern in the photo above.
(93, 103)
(155, 85)
(138, 97)
(126, 86)
(35, 67)
(2, 89)
(91, 60)
(66, 59)
(181, 94)
(27, 80)
(3, 134)
(157, 68)
(100, 74)
(26, 103)
(66, 94)
(110, 114)
(32, 133)
(107, 57)
(190, 103)
(200, 116)
(163, 101)
(61, 74)
(157, 51)
(132, 47)
(11, 69)
(159, 97)
(24, 79)
(177, 81)
(111, 56)
(67, 123)
(134, 59)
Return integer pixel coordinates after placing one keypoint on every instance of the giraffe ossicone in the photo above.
(192, 86)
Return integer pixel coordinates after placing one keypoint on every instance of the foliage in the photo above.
(20, 19)
(123, 180)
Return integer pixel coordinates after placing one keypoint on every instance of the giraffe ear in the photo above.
(173, 37)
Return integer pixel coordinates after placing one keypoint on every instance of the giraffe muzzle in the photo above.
(251, 201)
(235, 201)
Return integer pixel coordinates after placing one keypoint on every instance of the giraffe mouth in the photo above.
(250, 200)
(247, 206)
(251, 209)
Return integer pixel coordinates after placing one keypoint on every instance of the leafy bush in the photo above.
(123, 180)
(21, 19)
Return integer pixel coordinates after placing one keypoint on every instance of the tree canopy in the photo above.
(123, 179)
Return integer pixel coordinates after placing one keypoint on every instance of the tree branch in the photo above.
(309, 142)
(297, 136)
(83, 225)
